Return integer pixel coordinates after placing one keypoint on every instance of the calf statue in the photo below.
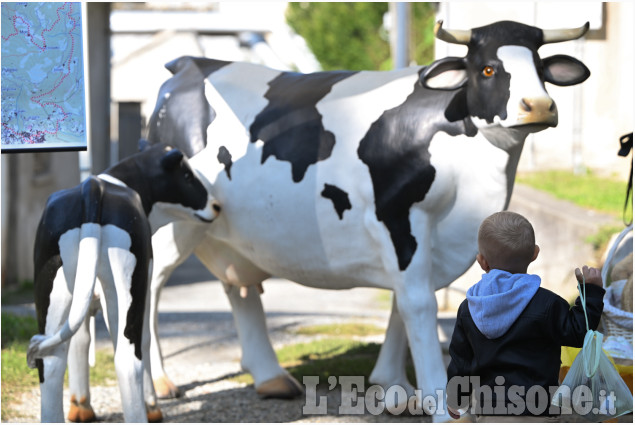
(342, 179)
(99, 231)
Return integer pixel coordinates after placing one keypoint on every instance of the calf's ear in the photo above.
(563, 70)
(171, 159)
(445, 74)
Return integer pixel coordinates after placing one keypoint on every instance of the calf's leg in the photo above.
(52, 388)
(78, 376)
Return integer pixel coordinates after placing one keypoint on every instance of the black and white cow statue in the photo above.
(99, 231)
(343, 179)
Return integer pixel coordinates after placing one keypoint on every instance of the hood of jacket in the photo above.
(496, 301)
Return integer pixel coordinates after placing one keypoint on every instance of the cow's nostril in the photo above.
(526, 106)
(552, 107)
(216, 207)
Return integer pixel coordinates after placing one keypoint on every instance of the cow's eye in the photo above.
(488, 71)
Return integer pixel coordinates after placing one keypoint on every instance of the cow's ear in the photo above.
(563, 70)
(171, 159)
(445, 74)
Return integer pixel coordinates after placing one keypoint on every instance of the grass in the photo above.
(342, 330)
(330, 356)
(590, 191)
(327, 357)
(586, 190)
(17, 378)
(16, 375)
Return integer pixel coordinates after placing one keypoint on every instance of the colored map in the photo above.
(43, 93)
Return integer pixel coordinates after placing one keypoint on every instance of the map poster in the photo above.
(43, 77)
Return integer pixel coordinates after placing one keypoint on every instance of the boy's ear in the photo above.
(536, 252)
(482, 262)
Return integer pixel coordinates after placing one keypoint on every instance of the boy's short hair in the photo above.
(507, 241)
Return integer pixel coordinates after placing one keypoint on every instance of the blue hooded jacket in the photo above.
(496, 301)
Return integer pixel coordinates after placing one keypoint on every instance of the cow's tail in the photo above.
(85, 276)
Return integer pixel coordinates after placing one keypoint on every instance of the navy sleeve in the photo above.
(568, 323)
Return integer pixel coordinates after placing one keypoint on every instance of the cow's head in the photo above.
(176, 189)
(501, 79)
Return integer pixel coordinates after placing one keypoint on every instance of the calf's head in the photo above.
(501, 79)
(176, 189)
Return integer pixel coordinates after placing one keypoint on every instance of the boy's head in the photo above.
(506, 242)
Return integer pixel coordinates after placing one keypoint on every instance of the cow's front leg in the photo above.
(172, 245)
(78, 375)
(418, 307)
(390, 368)
(258, 356)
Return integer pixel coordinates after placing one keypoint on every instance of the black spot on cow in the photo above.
(396, 151)
(339, 198)
(290, 125)
(225, 158)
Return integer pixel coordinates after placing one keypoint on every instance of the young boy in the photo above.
(505, 349)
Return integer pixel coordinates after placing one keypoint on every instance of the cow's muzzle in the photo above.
(538, 111)
(210, 213)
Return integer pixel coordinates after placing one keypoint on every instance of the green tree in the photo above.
(351, 35)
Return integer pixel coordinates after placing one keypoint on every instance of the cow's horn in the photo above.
(452, 36)
(556, 36)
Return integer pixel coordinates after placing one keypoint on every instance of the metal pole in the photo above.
(400, 33)
(98, 25)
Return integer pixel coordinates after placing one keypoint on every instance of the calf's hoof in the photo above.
(283, 386)
(80, 411)
(154, 414)
(164, 388)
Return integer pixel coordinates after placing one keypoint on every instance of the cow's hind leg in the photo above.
(258, 356)
(390, 368)
(78, 376)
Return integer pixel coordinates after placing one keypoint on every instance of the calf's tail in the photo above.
(85, 276)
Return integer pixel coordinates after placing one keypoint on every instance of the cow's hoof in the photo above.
(80, 411)
(154, 414)
(164, 388)
(284, 386)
